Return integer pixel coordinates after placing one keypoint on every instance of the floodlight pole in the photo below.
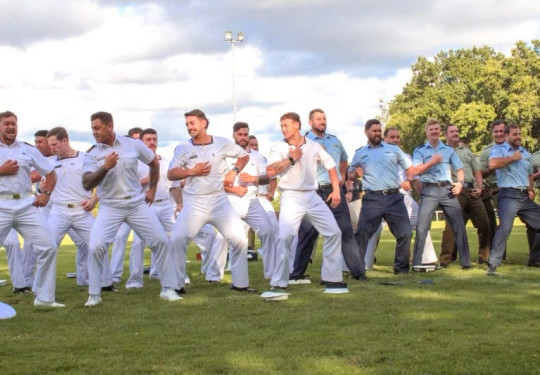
(229, 38)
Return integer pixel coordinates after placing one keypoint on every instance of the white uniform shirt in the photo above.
(69, 187)
(164, 185)
(256, 166)
(187, 154)
(303, 174)
(27, 157)
(122, 181)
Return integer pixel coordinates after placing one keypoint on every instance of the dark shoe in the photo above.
(146, 270)
(362, 277)
(110, 288)
(482, 261)
(335, 284)
(443, 265)
(465, 268)
(180, 291)
(26, 289)
(533, 263)
(404, 271)
(246, 289)
(212, 281)
(303, 279)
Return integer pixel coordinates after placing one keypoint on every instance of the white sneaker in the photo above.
(93, 300)
(40, 303)
(169, 295)
(3, 282)
(187, 280)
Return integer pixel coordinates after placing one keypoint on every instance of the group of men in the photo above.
(221, 188)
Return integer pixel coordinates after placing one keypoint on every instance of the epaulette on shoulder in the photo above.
(26, 143)
(359, 148)
(420, 145)
(91, 148)
(331, 135)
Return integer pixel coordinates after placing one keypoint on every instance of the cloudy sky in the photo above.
(148, 62)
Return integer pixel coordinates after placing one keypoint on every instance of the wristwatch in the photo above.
(291, 160)
(236, 169)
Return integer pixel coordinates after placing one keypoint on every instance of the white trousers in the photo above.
(269, 257)
(26, 219)
(78, 221)
(14, 259)
(217, 210)
(429, 255)
(165, 214)
(213, 247)
(144, 222)
(296, 205)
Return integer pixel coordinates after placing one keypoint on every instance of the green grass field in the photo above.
(463, 323)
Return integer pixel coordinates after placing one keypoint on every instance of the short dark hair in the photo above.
(8, 114)
(41, 133)
(510, 127)
(59, 132)
(447, 126)
(497, 122)
(291, 116)
(142, 133)
(388, 130)
(104, 117)
(252, 137)
(199, 114)
(240, 125)
(313, 111)
(371, 122)
(135, 130)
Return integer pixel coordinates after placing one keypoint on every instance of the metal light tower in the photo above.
(229, 38)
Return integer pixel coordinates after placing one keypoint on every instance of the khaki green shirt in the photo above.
(470, 164)
(491, 180)
(535, 166)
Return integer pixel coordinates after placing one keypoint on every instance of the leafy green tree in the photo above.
(471, 88)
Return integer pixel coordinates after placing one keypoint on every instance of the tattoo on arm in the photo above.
(92, 179)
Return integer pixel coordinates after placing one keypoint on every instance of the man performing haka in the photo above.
(295, 158)
(201, 161)
(111, 166)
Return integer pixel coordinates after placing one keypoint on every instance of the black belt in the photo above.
(383, 192)
(438, 183)
(159, 200)
(325, 186)
(523, 191)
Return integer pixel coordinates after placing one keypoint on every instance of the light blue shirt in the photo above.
(439, 172)
(332, 145)
(381, 165)
(515, 174)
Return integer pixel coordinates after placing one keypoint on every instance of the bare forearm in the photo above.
(422, 168)
(50, 181)
(497, 163)
(478, 179)
(154, 176)
(177, 195)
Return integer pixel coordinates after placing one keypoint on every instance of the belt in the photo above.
(73, 205)
(468, 185)
(383, 192)
(325, 186)
(438, 183)
(160, 200)
(524, 191)
(16, 195)
(261, 195)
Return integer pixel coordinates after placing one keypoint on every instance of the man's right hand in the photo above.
(201, 169)
(111, 160)
(10, 167)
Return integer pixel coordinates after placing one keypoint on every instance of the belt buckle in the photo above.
(385, 192)
(71, 205)
(128, 197)
(16, 196)
(441, 184)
